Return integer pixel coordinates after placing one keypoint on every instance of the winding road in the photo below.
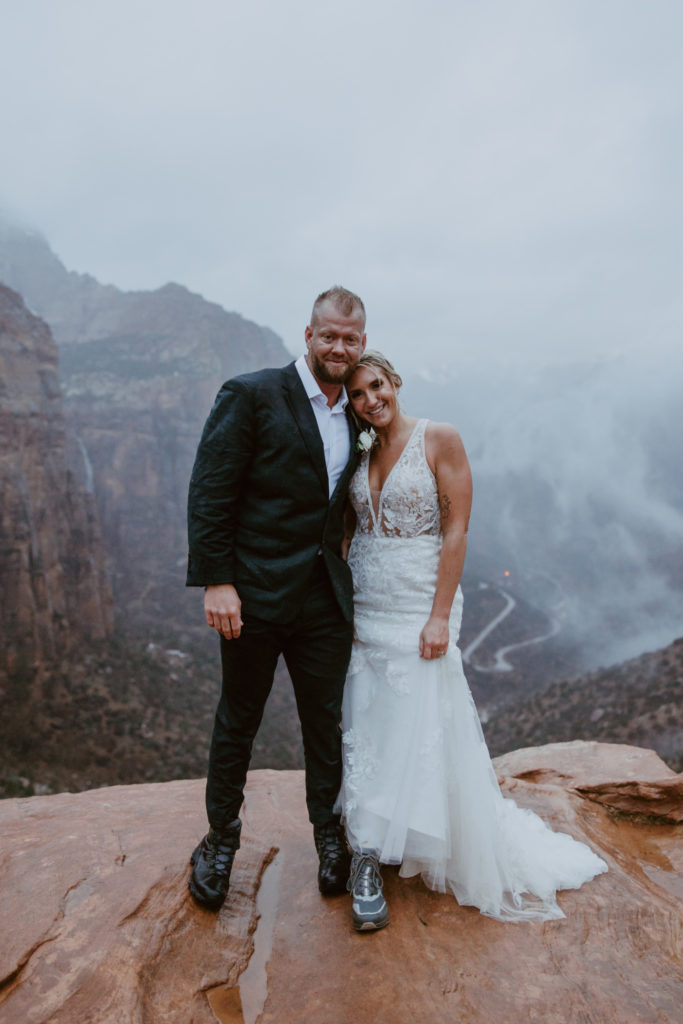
(500, 662)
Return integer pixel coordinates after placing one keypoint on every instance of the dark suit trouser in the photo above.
(316, 647)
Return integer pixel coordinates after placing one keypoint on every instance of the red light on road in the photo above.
(506, 573)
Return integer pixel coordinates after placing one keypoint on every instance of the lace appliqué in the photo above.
(360, 766)
(408, 503)
(371, 663)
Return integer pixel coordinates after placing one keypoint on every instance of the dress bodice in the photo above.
(408, 504)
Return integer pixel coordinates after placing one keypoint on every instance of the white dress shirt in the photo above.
(332, 423)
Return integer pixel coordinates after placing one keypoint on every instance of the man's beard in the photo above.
(325, 372)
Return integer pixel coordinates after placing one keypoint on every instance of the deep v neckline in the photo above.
(377, 516)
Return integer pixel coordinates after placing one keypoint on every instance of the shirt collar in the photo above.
(313, 388)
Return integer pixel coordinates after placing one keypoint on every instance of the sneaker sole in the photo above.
(365, 924)
(370, 926)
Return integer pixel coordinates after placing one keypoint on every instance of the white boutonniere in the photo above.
(365, 441)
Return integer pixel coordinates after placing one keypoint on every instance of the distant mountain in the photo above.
(637, 702)
(80, 309)
(139, 372)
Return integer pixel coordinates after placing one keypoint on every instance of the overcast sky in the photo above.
(492, 176)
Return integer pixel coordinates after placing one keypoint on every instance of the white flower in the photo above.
(364, 442)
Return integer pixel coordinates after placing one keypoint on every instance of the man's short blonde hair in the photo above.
(342, 299)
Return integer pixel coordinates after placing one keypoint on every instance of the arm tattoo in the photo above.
(444, 506)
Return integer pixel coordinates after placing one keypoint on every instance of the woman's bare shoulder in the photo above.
(443, 437)
(443, 445)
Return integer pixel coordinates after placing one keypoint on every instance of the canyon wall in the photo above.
(139, 372)
(54, 591)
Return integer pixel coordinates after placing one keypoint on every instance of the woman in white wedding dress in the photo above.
(419, 789)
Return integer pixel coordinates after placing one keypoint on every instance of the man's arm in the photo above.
(222, 460)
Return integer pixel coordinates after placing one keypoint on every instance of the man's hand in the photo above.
(223, 610)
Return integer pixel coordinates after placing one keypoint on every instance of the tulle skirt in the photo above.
(418, 786)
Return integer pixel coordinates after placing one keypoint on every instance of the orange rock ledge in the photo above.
(98, 927)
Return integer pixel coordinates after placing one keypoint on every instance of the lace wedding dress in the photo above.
(419, 786)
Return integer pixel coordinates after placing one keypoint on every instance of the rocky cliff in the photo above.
(98, 925)
(55, 593)
(139, 372)
(637, 702)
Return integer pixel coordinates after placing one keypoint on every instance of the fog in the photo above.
(493, 178)
(499, 181)
(578, 491)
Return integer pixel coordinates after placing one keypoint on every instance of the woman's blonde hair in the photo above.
(371, 357)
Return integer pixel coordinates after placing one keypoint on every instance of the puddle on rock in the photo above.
(226, 1004)
(243, 1004)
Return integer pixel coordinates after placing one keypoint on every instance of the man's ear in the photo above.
(363, 343)
(308, 334)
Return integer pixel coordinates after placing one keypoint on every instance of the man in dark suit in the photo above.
(265, 523)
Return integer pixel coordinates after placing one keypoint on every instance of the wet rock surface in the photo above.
(98, 925)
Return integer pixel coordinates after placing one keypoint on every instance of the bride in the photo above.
(419, 789)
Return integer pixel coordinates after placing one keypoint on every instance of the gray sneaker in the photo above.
(370, 910)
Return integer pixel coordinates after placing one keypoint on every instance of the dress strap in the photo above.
(420, 434)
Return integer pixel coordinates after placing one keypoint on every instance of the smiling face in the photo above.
(372, 396)
(335, 343)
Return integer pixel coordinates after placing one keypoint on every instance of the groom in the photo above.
(265, 524)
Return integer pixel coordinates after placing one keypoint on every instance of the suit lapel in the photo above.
(300, 406)
(352, 463)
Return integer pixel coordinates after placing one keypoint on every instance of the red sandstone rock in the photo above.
(97, 925)
(54, 590)
(643, 785)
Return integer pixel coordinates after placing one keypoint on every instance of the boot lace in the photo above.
(221, 849)
(330, 842)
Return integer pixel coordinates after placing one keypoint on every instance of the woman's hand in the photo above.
(434, 638)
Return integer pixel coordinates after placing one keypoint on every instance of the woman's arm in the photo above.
(448, 461)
